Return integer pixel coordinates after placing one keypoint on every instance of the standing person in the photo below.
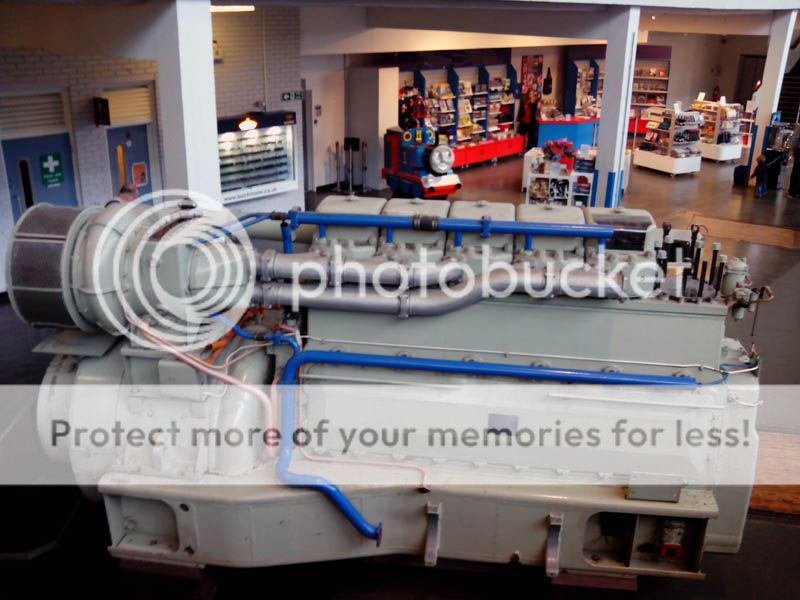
(528, 124)
(761, 172)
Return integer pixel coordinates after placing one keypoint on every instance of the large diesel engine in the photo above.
(467, 380)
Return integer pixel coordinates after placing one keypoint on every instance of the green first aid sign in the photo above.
(51, 167)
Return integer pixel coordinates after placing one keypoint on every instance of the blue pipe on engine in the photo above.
(286, 236)
(483, 227)
(408, 363)
(528, 243)
(288, 390)
(299, 358)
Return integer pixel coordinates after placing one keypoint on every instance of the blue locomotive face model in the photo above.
(417, 165)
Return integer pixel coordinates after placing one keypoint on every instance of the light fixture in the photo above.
(247, 124)
(232, 8)
(653, 17)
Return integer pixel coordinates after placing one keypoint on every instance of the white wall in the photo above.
(240, 75)
(694, 66)
(325, 78)
(261, 59)
(352, 35)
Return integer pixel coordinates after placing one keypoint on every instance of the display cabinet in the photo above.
(671, 143)
(720, 139)
(256, 155)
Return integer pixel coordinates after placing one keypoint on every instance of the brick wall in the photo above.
(81, 78)
(239, 75)
(261, 59)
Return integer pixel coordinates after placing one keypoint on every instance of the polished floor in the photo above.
(768, 565)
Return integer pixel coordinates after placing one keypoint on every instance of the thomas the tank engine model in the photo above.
(416, 165)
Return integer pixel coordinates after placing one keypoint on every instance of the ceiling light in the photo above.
(247, 124)
(653, 17)
(229, 8)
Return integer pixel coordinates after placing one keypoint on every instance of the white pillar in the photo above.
(180, 40)
(372, 105)
(780, 38)
(622, 26)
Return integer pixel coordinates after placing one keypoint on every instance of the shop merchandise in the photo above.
(559, 173)
(675, 136)
(412, 108)
(547, 86)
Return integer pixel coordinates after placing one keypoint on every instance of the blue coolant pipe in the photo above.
(485, 227)
(408, 363)
(299, 358)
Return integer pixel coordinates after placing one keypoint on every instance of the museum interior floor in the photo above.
(766, 231)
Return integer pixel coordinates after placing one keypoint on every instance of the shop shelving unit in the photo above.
(478, 108)
(746, 124)
(467, 128)
(650, 82)
(671, 143)
(584, 80)
(502, 94)
(442, 105)
(544, 185)
(721, 139)
(459, 107)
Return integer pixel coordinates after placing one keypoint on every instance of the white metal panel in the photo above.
(132, 106)
(31, 115)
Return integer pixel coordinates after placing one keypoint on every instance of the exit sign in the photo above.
(289, 96)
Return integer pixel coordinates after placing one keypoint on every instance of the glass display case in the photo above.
(256, 155)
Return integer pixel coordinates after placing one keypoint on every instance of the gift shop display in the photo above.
(559, 173)
(473, 109)
(671, 142)
(721, 137)
(412, 110)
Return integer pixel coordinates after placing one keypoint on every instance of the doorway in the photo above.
(129, 157)
(39, 169)
(26, 183)
(751, 70)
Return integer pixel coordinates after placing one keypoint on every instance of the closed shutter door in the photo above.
(31, 116)
(132, 106)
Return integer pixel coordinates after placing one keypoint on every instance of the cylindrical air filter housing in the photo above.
(39, 265)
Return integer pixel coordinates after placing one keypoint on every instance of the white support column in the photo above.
(780, 38)
(372, 96)
(180, 40)
(622, 26)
